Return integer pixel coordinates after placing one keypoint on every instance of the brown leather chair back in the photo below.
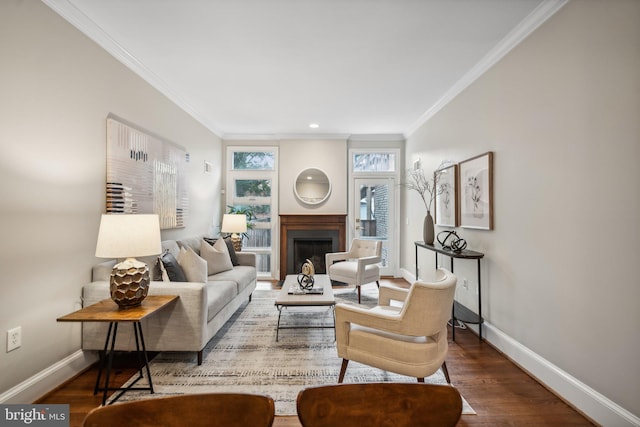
(195, 410)
(379, 404)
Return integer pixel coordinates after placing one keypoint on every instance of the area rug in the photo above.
(244, 356)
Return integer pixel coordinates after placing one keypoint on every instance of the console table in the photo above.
(108, 311)
(459, 311)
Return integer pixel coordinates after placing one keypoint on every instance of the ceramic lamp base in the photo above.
(129, 284)
(237, 242)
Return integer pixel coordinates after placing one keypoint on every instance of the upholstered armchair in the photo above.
(357, 267)
(410, 339)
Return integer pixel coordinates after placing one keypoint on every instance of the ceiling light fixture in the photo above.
(314, 126)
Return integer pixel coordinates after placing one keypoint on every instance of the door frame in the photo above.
(394, 180)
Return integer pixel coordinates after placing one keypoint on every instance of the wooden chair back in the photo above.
(379, 404)
(195, 410)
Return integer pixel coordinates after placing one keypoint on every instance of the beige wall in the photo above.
(57, 88)
(561, 113)
(327, 155)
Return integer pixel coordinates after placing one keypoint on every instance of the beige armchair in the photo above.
(409, 340)
(357, 267)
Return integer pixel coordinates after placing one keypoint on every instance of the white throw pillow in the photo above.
(194, 267)
(217, 256)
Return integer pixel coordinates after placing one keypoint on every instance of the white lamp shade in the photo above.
(128, 236)
(234, 223)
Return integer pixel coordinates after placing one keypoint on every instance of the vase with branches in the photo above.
(427, 188)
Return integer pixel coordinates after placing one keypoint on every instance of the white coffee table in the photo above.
(296, 299)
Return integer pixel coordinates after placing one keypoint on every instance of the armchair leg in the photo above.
(200, 358)
(378, 283)
(445, 371)
(359, 293)
(343, 370)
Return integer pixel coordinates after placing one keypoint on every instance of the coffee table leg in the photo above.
(279, 307)
(333, 308)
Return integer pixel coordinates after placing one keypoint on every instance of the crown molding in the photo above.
(377, 137)
(82, 22)
(529, 24)
(284, 136)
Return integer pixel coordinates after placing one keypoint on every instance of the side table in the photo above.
(459, 311)
(108, 311)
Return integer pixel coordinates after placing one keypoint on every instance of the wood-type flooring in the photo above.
(500, 392)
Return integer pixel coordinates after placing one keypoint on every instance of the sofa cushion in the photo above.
(172, 268)
(190, 242)
(171, 246)
(219, 294)
(217, 256)
(194, 267)
(242, 275)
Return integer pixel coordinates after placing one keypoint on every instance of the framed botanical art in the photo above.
(446, 212)
(476, 192)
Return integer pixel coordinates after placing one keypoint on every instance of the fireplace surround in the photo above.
(312, 236)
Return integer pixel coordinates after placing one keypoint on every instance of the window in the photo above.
(374, 162)
(252, 184)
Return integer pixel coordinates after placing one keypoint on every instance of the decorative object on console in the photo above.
(235, 224)
(305, 278)
(129, 236)
(476, 195)
(446, 212)
(450, 240)
(427, 189)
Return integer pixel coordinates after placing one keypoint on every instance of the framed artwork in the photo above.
(145, 174)
(446, 212)
(476, 192)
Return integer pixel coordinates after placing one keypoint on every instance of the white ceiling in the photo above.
(272, 67)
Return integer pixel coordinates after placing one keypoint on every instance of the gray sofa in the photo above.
(190, 322)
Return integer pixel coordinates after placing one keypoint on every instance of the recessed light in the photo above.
(314, 126)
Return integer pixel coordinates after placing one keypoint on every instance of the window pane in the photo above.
(253, 160)
(262, 213)
(374, 162)
(263, 263)
(258, 238)
(374, 211)
(253, 187)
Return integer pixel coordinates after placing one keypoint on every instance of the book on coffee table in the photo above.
(316, 290)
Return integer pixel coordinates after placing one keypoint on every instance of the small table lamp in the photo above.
(129, 236)
(234, 224)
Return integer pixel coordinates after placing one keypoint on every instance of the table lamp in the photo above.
(129, 236)
(234, 224)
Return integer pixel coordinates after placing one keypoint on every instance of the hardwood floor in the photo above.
(500, 393)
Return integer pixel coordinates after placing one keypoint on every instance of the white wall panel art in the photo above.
(145, 174)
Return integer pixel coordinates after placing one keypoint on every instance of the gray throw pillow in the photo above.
(217, 256)
(172, 268)
(230, 248)
(194, 267)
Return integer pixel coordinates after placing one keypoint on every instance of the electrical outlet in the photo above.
(465, 284)
(14, 338)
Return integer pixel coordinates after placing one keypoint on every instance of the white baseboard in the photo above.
(46, 380)
(582, 397)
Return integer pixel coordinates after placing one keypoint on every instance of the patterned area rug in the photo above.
(244, 356)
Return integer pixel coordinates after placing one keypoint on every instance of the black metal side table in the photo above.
(459, 311)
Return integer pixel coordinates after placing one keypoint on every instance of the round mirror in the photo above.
(312, 186)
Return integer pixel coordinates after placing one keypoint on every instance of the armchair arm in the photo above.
(348, 314)
(362, 264)
(388, 293)
(330, 258)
